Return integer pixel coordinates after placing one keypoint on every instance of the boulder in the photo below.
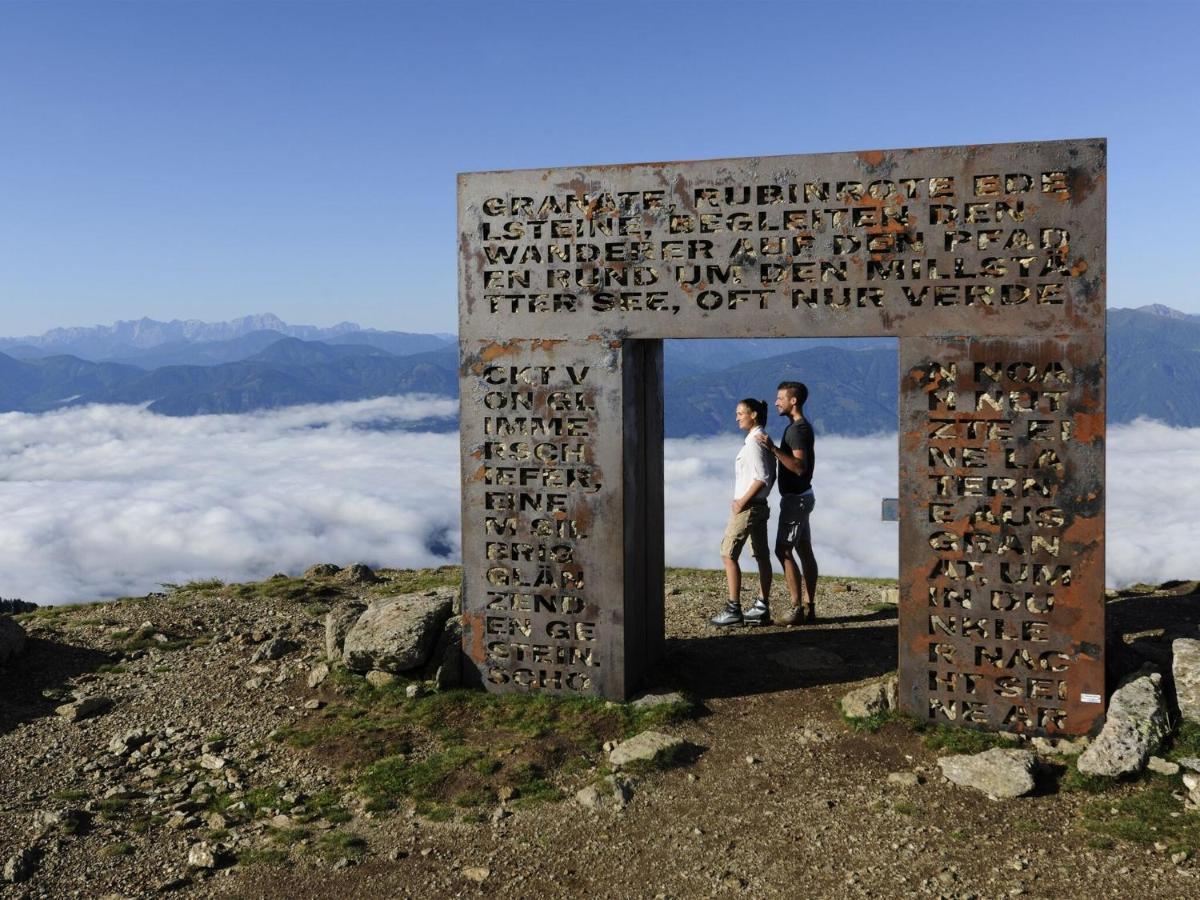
(12, 639)
(84, 708)
(1185, 666)
(1000, 773)
(203, 856)
(397, 634)
(276, 648)
(359, 573)
(445, 665)
(338, 623)
(613, 792)
(1135, 727)
(871, 699)
(649, 746)
(322, 570)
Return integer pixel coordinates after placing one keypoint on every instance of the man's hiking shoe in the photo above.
(731, 615)
(794, 616)
(758, 614)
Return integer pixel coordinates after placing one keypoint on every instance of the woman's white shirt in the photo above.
(754, 463)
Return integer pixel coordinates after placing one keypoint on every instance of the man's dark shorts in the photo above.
(794, 510)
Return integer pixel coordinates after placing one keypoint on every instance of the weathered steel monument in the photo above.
(987, 262)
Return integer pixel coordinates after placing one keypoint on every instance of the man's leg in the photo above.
(808, 564)
(791, 572)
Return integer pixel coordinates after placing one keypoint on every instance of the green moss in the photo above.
(905, 808)
(114, 851)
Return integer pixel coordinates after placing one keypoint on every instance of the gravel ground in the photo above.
(782, 798)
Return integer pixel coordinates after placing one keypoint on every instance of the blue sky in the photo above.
(211, 159)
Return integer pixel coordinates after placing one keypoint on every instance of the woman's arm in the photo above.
(743, 501)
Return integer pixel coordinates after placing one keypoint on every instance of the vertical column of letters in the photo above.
(539, 478)
(996, 448)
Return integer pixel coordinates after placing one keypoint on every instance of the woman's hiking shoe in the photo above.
(731, 615)
(758, 614)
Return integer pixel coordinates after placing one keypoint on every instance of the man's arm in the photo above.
(794, 462)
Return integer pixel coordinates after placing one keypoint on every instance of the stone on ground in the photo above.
(202, 856)
(648, 746)
(649, 700)
(1185, 666)
(445, 663)
(84, 708)
(1001, 773)
(321, 570)
(613, 792)
(317, 675)
(398, 634)
(20, 865)
(338, 623)
(1161, 766)
(12, 639)
(1135, 727)
(871, 699)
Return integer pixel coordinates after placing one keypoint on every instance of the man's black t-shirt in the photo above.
(797, 436)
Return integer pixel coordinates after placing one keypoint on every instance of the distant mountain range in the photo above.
(260, 362)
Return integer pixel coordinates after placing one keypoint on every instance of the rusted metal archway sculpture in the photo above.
(987, 262)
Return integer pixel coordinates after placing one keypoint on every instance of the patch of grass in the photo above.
(905, 808)
(262, 856)
(200, 585)
(1186, 741)
(413, 580)
(114, 851)
(1074, 781)
(1144, 817)
(397, 777)
(112, 807)
(871, 724)
(960, 740)
(452, 752)
(70, 796)
(334, 844)
(111, 669)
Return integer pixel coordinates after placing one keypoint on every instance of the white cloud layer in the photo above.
(111, 500)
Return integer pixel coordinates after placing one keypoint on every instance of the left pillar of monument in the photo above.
(561, 514)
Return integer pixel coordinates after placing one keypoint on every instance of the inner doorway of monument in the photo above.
(683, 402)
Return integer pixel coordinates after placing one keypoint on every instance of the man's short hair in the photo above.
(796, 388)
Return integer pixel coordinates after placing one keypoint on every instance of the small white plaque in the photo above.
(1091, 698)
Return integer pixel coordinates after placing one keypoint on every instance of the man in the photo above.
(796, 458)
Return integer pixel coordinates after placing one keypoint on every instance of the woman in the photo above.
(754, 473)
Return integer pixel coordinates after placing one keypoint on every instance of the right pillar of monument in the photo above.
(1002, 531)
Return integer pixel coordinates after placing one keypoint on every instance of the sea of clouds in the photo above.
(105, 501)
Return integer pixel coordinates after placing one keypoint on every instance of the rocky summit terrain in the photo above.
(275, 740)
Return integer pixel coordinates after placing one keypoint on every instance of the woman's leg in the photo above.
(733, 578)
